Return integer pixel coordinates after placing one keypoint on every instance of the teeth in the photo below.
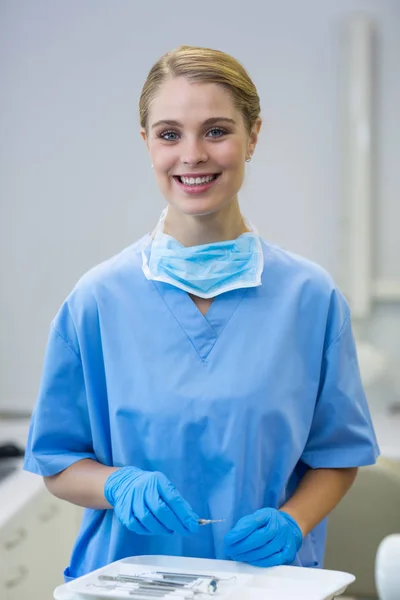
(197, 180)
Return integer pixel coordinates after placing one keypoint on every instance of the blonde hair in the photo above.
(203, 65)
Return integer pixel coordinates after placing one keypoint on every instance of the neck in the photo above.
(189, 230)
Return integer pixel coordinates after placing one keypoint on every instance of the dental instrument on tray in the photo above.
(188, 583)
(140, 592)
(188, 576)
(137, 590)
(146, 591)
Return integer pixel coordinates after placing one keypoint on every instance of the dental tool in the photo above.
(209, 521)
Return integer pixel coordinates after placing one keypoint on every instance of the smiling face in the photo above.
(198, 144)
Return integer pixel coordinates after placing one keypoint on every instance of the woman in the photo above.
(202, 372)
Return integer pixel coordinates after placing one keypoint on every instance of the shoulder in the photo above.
(309, 284)
(107, 280)
(287, 265)
(110, 274)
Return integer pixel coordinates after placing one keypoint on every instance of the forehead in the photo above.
(178, 99)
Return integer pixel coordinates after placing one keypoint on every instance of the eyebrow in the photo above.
(210, 121)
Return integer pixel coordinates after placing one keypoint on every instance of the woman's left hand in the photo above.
(267, 538)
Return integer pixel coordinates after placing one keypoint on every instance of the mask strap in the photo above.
(159, 228)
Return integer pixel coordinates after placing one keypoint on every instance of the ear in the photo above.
(253, 137)
(144, 137)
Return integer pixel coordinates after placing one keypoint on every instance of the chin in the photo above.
(198, 207)
(199, 211)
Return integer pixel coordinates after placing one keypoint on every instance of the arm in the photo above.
(82, 483)
(157, 509)
(318, 493)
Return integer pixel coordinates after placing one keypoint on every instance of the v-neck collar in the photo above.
(202, 330)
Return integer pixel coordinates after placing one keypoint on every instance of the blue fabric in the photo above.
(207, 270)
(146, 502)
(266, 538)
(232, 407)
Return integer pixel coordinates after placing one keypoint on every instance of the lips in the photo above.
(196, 183)
(196, 178)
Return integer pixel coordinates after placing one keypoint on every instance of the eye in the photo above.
(169, 136)
(216, 132)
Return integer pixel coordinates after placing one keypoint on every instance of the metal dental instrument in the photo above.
(209, 521)
(142, 579)
(156, 593)
(187, 575)
(163, 591)
(182, 576)
(211, 582)
(150, 584)
(191, 577)
(150, 591)
(139, 592)
(169, 583)
(145, 595)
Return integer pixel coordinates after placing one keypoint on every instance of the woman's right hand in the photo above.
(148, 503)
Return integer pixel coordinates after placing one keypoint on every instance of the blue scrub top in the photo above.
(233, 407)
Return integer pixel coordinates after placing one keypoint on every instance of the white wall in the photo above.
(75, 180)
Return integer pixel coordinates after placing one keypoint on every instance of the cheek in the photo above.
(231, 155)
(163, 160)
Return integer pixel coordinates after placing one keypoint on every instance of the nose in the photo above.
(193, 152)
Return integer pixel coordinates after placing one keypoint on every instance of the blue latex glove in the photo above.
(147, 503)
(267, 538)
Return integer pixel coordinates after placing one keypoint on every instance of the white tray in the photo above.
(251, 583)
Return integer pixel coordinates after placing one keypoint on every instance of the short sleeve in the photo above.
(60, 432)
(342, 434)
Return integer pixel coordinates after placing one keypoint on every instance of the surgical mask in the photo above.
(206, 270)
